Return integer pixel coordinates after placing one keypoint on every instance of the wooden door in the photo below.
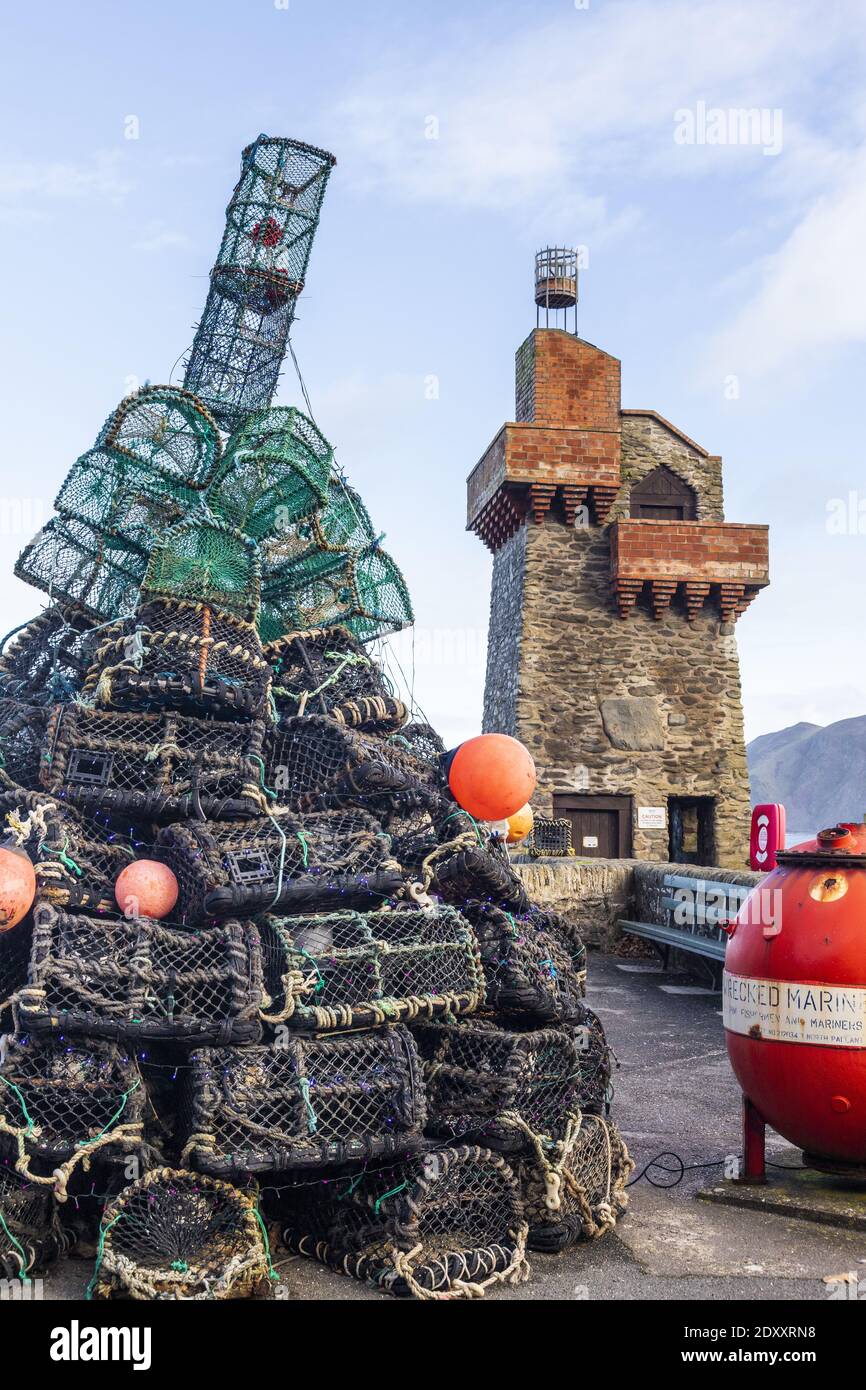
(600, 825)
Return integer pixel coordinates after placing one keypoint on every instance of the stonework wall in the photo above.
(646, 443)
(503, 637)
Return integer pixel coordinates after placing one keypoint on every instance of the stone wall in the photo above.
(503, 637)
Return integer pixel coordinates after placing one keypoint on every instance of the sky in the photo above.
(724, 266)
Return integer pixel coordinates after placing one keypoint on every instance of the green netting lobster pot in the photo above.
(550, 838)
(66, 1100)
(300, 863)
(325, 671)
(76, 860)
(481, 871)
(22, 735)
(353, 970)
(318, 543)
(167, 432)
(311, 1102)
(508, 1084)
(153, 767)
(30, 1233)
(76, 564)
(529, 963)
(207, 562)
(177, 654)
(178, 1235)
(314, 762)
(234, 363)
(445, 1224)
(117, 496)
(587, 1194)
(137, 978)
(276, 470)
(45, 661)
(365, 593)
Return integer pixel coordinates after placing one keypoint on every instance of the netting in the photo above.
(65, 1101)
(75, 564)
(271, 220)
(314, 762)
(119, 497)
(275, 471)
(15, 948)
(443, 1225)
(480, 871)
(318, 671)
(348, 970)
(319, 542)
(590, 1196)
(550, 838)
(76, 861)
(421, 740)
(207, 562)
(499, 1085)
(141, 979)
(301, 863)
(30, 1232)
(167, 432)
(159, 766)
(366, 593)
(44, 661)
(529, 963)
(178, 1235)
(310, 1102)
(180, 655)
(594, 1061)
(22, 735)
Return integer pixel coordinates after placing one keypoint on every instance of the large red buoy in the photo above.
(794, 1000)
(491, 776)
(17, 886)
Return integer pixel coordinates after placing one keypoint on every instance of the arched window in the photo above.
(664, 496)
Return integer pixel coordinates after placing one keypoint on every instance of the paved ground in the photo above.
(674, 1092)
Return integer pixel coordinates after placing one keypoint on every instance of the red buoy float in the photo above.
(17, 886)
(491, 776)
(146, 888)
(794, 1000)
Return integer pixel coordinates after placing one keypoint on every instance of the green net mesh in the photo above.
(318, 543)
(207, 562)
(74, 563)
(168, 431)
(271, 220)
(364, 592)
(111, 493)
(275, 470)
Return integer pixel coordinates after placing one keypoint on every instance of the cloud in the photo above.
(24, 181)
(158, 237)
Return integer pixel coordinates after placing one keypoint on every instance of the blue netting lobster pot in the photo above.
(308, 1102)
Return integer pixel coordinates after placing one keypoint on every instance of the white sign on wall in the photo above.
(785, 1011)
(590, 842)
(651, 817)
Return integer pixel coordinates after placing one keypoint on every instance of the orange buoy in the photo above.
(146, 888)
(491, 776)
(520, 824)
(17, 887)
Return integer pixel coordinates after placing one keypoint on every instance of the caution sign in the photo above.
(787, 1011)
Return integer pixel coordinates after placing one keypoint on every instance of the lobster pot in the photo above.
(480, 871)
(30, 1232)
(206, 561)
(352, 970)
(181, 655)
(178, 1235)
(312, 1103)
(504, 1084)
(442, 1225)
(139, 979)
(322, 672)
(317, 764)
(68, 1100)
(275, 471)
(156, 767)
(234, 363)
(76, 860)
(15, 948)
(77, 565)
(594, 1060)
(22, 734)
(301, 863)
(413, 838)
(166, 433)
(550, 838)
(321, 542)
(45, 662)
(589, 1197)
(529, 963)
(364, 592)
(122, 498)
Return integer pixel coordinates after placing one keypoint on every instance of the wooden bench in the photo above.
(695, 909)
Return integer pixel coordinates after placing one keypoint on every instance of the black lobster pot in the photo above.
(533, 963)
(353, 970)
(481, 871)
(312, 1102)
(139, 979)
(328, 671)
(22, 735)
(177, 654)
(300, 863)
(31, 1236)
(590, 1196)
(154, 767)
(45, 661)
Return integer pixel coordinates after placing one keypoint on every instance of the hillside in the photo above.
(819, 773)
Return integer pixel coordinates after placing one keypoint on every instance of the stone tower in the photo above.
(617, 584)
